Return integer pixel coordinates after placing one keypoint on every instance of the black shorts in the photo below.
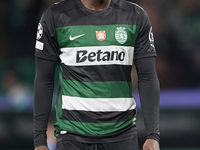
(131, 144)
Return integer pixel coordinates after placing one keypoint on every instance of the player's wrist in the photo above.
(154, 136)
(40, 144)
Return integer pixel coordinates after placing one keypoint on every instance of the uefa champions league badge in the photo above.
(121, 35)
(39, 45)
(39, 31)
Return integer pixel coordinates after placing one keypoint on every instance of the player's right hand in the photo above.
(151, 144)
(42, 148)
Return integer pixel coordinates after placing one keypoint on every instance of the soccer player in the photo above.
(94, 43)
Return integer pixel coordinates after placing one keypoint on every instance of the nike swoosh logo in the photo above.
(73, 38)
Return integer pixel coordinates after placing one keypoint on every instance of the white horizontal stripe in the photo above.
(97, 55)
(97, 104)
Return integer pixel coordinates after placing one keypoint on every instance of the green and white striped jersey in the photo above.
(95, 51)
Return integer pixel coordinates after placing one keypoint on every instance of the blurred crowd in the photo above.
(176, 27)
(18, 26)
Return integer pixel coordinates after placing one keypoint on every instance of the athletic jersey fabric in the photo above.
(95, 52)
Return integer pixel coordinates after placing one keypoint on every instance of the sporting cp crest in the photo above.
(121, 35)
(101, 35)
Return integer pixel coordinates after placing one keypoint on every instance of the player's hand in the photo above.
(151, 144)
(42, 148)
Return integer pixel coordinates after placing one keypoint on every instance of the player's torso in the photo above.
(96, 56)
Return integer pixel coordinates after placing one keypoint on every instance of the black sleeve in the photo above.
(149, 91)
(43, 92)
(46, 46)
(144, 44)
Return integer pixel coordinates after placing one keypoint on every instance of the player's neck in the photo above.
(96, 4)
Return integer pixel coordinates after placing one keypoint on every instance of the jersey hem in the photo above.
(126, 133)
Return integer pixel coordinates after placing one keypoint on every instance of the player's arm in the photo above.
(149, 91)
(148, 83)
(43, 91)
(47, 53)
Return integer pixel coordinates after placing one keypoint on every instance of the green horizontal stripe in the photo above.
(74, 88)
(89, 39)
(92, 128)
(111, 89)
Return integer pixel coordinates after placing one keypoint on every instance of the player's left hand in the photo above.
(151, 144)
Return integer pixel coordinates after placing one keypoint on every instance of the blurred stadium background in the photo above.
(176, 27)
